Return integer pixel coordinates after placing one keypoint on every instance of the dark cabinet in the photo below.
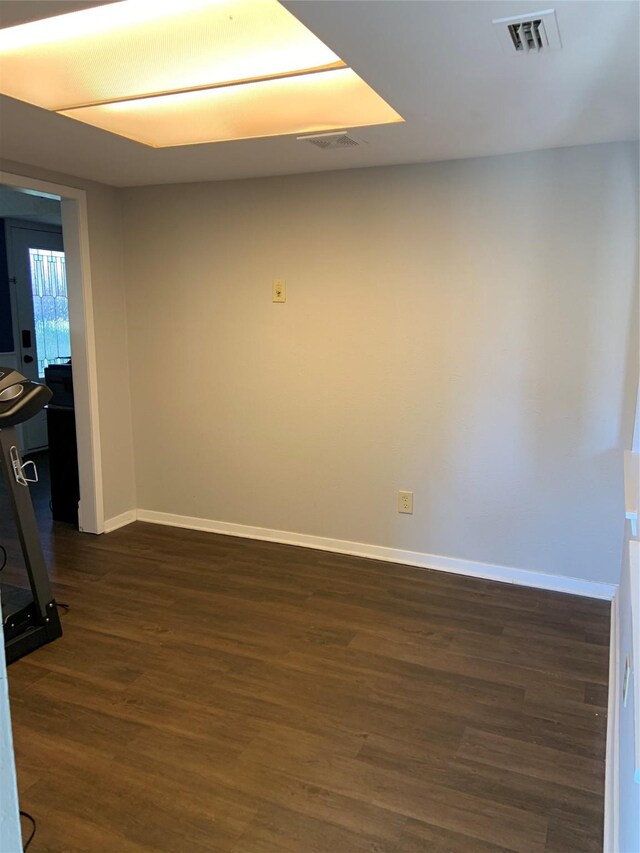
(63, 463)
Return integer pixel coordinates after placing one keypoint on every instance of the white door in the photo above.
(35, 257)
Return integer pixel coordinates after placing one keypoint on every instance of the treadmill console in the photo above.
(20, 398)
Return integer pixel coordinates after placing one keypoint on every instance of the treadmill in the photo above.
(29, 616)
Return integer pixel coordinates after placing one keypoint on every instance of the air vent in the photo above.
(527, 36)
(330, 140)
(534, 33)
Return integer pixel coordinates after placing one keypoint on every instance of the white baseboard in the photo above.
(611, 816)
(111, 524)
(504, 574)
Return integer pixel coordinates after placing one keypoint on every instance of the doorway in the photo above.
(73, 209)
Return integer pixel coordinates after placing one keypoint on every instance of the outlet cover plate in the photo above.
(405, 502)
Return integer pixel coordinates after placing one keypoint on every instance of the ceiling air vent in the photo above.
(330, 140)
(533, 33)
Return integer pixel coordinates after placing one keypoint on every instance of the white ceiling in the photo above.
(439, 64)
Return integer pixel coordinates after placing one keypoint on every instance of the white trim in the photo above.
(611, 801)
(111, 524)
(634, 591)
(75, 230)
(632, 488)
(76, 237)
(504, 574)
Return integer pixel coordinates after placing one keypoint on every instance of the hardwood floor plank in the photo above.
(479, 818)
(570, 835)
(541, 762)
(508, 787)
(596, 694)
(521, 674)
(569, 659)
(421, 837)
(68, 832)
(401, 682)
(280, 830)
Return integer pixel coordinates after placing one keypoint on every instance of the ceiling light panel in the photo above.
(144, 47)
(310, 103)
(166, 73)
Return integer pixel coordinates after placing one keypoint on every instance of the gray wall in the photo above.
(464, 330)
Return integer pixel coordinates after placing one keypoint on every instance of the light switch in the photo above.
(279, 290)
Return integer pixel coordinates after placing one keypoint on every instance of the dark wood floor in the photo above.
(218, 694)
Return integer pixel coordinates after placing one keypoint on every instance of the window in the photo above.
(50, 307)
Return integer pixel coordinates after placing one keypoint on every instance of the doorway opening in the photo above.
(46, 320)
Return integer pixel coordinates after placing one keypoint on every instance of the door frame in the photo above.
(75, 232)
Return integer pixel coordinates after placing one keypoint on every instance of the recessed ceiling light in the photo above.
(174, 74)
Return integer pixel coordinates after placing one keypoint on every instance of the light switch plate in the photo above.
(279, 290)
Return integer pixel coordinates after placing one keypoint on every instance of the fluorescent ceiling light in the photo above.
(167, 73)
(290, 105)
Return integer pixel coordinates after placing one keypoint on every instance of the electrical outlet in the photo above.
(405, 502)
(279, 290)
